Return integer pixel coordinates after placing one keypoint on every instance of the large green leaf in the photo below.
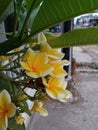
(77, 37)
(53, 12)
(36, 3)
(6, 8)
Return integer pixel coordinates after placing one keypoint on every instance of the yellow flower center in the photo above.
(3, 112)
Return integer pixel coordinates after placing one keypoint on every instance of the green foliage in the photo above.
(77, 37)
(6, 8)
(4, 84)
(53, 12)
(13, 126)
(36, 18)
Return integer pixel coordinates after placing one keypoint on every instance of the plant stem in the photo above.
(15, 19)
(27, 18)
(5, 76)
(6, 33)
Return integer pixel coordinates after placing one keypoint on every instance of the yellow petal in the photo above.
(60, 92)
(63, 99)
(3, 123)
(56, 93)
(41, 59)
(38, 107)
(32, 74)
(42, 38)
(64, 85)
(4, 99)
(43, 112)
(51, 93)
(59, 72)
(25, 66)
(29, 54)
(12, 110)
(55, 54)
(31, 57)
(45, 70)
(52, 53)
(44, 81)
(55, 81)
(68, 94)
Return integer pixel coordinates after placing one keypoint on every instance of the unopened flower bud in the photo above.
(22, 98)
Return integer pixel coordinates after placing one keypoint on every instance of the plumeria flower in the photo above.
(38, 107)
(58, 70)
(45, 47)
(56, 89)
(4, 58)
(36, 65)
(7, 109)
(19, 120)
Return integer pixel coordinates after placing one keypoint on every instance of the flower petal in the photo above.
(52, 94)
(25, 66)
(60, 92)
(59, 72)
(4, 99)
(41, 59)
(32, 74)
(42, 38)
(53, 81)
(44, 81)
(68, 94)
(3, 123)
(64, 85)
(45, 70)
(63, 99)
(43, 112)
(52, 53)
(29, 54)
(12, 110)
(31, 57)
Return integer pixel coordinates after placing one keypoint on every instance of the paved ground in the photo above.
(86, 54)
(80, 115)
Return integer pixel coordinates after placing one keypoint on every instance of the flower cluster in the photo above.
(41, 71)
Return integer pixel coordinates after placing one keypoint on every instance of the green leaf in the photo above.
(19, 4)
(9, 45)
(6, 8)
(4, 84)
(87, 36)
(22, 19)
(33, 15)
(13, 126)
(53, 12)
(29, 3)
